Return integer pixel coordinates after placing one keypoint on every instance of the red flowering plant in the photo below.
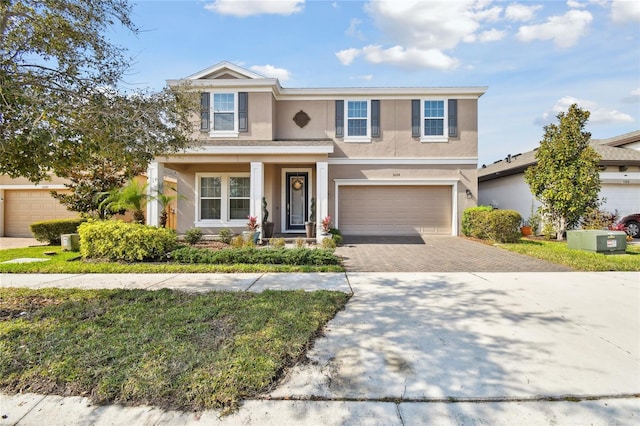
(253, 223)
(326, 224)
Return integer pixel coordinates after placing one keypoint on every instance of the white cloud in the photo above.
(520, 12)
(366, 77)
(491, 35)
(272, 72)
(419, 32)
(625, 11)
(353, 30)
(633, 98)
(575, 4)
(564, 30)
(347, 56)
(409, 57)
(243, 8)
(599, 115)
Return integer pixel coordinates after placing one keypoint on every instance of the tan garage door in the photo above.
(394, 210)
(22, 207)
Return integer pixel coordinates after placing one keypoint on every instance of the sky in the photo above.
(535, 57)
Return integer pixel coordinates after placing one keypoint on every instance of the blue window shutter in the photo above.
(453, 117)
(205, 111)
(375, 119)
(243, 111)
(415, 118)
(339, 119)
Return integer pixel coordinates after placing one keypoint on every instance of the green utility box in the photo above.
(70, 242)
(607, 242)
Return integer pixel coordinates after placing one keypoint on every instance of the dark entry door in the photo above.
(297, 200)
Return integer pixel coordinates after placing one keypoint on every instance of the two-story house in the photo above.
(378, 161)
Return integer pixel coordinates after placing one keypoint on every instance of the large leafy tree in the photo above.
(565, 178)
(59, 111)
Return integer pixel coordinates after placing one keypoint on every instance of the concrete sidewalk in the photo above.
(417, 348)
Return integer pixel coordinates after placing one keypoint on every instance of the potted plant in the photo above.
(310, 225)
(326, 225)
(525, 228)
(252, 233)
(267, 227)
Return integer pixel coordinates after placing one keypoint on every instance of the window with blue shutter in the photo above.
(415, 118)
(204, 111)
(375, 119)
(339, 118)
(243, 108)
(453, 117)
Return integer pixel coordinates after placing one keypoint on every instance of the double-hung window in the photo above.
(224, 114)
(431, 122)
(223, 199)
(358, 120)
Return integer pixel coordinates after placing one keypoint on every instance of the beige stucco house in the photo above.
(379, 161)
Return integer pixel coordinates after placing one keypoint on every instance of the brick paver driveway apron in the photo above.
(434, 254)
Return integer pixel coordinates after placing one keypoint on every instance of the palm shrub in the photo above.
(133, 197)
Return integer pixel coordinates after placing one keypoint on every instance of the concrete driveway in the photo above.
(483, 337)
(434, 254)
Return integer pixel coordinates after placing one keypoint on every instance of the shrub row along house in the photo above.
(378, 161)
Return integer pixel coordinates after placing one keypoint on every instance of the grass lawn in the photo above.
(164, 348)
(70, 263)
(580, 260)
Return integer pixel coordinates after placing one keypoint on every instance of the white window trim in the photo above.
(361, 139)
(223, 133)
(224, 220)
(445, 125)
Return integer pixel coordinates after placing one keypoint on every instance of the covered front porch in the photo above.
(219, 186)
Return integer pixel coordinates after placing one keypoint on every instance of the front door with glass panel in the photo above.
(297, 207)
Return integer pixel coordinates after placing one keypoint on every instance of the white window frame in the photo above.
(445, 123)
(223, 133)
(224, 220)
(367, 137)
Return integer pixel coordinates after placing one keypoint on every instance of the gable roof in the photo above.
(224, 70)
(611, 150)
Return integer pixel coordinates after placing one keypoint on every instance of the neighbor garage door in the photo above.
(24, 206)
(394, 210)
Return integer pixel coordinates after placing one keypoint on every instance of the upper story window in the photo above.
(434, 120)
(224, 114)
(362, 120)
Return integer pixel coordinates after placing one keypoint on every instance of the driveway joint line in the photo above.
(458, 400)
(163, 281)
(254, 281)
(31, 409)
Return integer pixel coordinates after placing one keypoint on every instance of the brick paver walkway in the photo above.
(434, 254)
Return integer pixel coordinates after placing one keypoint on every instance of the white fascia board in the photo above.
(222, 65)
(27, 186)
(397, 182)
(620, 177)
(260, 150)
(382, 93)
(403, 161)
(262, 85)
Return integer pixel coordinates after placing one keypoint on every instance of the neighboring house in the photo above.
(379, 161)
(502, 183)
(23, 203)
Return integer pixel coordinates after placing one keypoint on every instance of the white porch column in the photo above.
(155, 180)
(322, 196)
(257, 191)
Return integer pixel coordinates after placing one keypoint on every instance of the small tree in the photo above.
(565, 178)
(165, 201)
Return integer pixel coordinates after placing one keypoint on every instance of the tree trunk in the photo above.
(561, 229)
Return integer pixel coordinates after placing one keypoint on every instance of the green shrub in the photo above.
(130, 242)
(193, 235)
(503, 226)
(252, 255)
(487, 223)
(336, 236)
(472, 218)
(277, 242)
(300, 242)
(237, 241)
(598, 219)
(225, 235)
(328, 243)
(49, 231)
